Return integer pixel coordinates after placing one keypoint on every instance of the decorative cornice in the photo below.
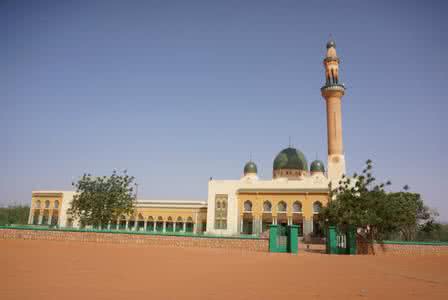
(333, 87)
(331, 58)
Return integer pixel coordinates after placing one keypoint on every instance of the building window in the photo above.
(267, 206)
(297, 207)
(56, 204)
(221, 211)
(37, 204)
(317, 206)
(248, 206)
(47, 204)
(281, 207)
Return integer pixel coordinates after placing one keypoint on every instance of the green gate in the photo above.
(283, 238)
(341, 241)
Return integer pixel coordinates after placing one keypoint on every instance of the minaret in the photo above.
(332, 92)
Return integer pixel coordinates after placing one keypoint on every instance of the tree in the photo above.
(360, 202)
(17, 214)
(101, 200)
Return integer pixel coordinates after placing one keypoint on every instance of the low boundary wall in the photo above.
(403, 248)
(143, 238)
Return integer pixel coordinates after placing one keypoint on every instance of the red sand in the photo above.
(68, 270)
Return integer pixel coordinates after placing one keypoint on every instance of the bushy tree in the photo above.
(361, 202)
(100, 200)
(16, 214)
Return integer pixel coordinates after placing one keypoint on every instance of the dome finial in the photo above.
(331, 43)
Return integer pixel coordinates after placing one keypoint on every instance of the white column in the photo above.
(261, 224)
(164, 226)
(136, 225)
(127, 225)
(154, 227)
(108, 226)
(194, 227)
(40, 219)
(31, 216)
(185, 227)
(144, 226)
(50, 215)
(174, 226)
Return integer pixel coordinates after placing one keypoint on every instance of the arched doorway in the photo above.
(140, 222)
(159, 224)
(150, 224)
(122, 224)
(169, 227)
(248, 219)
(179, 224)
(189, 226)
(266, 218)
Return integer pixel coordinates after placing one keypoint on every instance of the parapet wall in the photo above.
(252, 244)
(403, 248)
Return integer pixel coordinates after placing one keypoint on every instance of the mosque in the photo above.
(248, 205)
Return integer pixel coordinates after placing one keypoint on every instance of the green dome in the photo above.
(250, 167)
(290, 158)
(317, 166)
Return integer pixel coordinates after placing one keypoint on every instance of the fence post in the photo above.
(351, 240)
(273, 232)
(293, 243)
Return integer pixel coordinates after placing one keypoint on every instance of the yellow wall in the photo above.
(174, 213)
(257, 199)
(43, 197)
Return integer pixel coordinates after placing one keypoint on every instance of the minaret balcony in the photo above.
(333, 87)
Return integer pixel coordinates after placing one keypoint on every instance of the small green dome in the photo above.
(290, 158)
(331, 44)
(250, 167)
(317, 166)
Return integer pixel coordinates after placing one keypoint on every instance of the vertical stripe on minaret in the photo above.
(332, 92)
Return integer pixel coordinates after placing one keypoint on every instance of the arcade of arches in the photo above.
(259, 210)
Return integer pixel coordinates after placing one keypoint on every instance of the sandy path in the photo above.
(68, 270)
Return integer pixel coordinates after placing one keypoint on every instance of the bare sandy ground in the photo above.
(68, 270)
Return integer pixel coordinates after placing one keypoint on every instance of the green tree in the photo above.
(16, 214)
(100, 200)
(361, 202)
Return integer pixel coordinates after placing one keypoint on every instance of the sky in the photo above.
(176, 92)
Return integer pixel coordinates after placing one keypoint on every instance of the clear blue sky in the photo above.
(178, 91)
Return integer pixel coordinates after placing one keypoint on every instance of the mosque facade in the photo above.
(248, 205)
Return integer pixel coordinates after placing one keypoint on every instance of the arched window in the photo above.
(218, 204)
(37, 205)
(297, 207)
(179, 219)
(56, 204)
(267, 206)
(150, 219)
(47, 204)
(317, 207)
(281, 207)
(247, 206)
(190, 220)
(160, 219)
(140, 217)
(223, 204)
